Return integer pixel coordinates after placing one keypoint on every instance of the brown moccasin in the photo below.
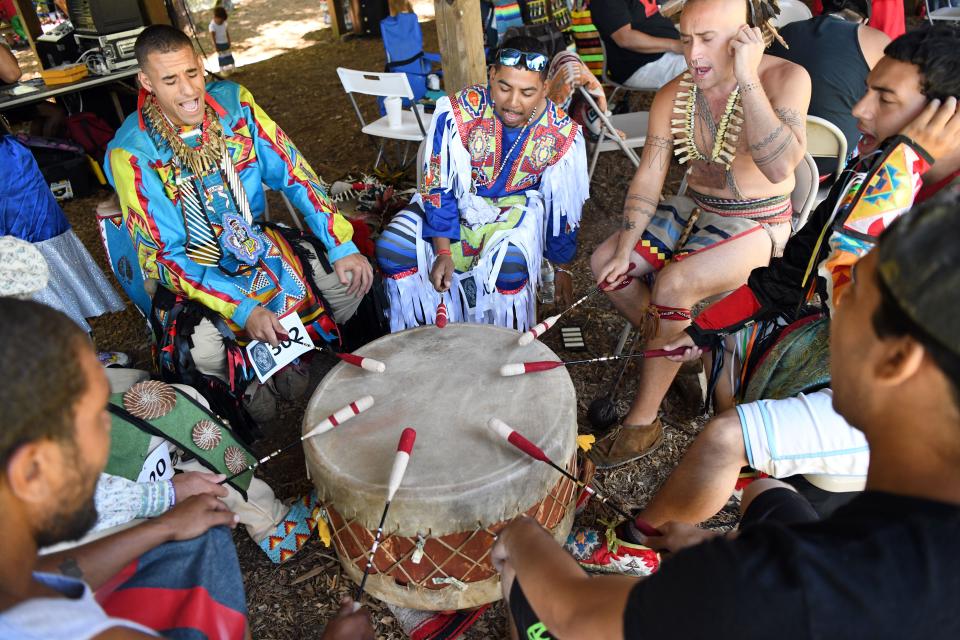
(627, 443)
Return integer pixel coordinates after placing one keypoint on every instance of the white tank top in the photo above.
(76, 615)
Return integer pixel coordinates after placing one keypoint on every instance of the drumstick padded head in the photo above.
(538, 330)
(512, 369)
(340, 416)
(441, 315)
(509, 434)
(519, 368)
(407, 438)
(404, 449)
(369, 364)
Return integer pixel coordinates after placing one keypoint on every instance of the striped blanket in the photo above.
(189, 590)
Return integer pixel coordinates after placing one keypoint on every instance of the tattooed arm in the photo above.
(643, 194)
(775, 112)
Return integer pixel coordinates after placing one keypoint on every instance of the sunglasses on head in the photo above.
(511, 58)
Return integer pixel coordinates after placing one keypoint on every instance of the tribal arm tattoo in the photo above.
(790, 121)
(775, 135)
(791, 118)
(657, 151)
(638, 204)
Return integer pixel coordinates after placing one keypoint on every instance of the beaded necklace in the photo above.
(210, 155)
(728, 130)
(503, 161)
(205, 156)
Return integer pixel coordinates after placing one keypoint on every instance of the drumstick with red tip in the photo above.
(337, 418)
(369, 364)
(540, 329)
(520, 368)
(441, 321)
(512, 436)
(404, 449)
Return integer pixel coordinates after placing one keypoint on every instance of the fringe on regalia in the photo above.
(562, 190)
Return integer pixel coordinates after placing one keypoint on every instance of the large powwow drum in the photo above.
(464, 483)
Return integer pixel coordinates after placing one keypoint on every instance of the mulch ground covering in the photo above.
(301, 91)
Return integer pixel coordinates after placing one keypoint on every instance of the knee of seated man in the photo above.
(395, 254)
(724, 436)
(602, 254)
(675, 286)
(514, 273)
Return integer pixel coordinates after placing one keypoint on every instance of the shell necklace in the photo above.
(503, 162)
(728, 130)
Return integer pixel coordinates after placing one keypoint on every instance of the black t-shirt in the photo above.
(829, 49)
(610, 15)
(883, 566)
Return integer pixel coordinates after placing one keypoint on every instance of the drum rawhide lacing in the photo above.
(396, 554)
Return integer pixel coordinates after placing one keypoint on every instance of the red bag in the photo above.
(90, 132)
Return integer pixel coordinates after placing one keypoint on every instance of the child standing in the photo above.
(221, 40)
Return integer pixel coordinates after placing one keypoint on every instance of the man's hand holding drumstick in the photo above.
(441, 275)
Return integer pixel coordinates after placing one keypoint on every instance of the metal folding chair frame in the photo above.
(605, 129)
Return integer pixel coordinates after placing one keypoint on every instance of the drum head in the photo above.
(446, 384)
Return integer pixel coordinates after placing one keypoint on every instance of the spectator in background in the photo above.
(46, 118)
(838, 50)
(643, 47)
(885, 15)
(220, 35)
(9, 69)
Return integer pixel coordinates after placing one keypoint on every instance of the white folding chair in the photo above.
(791, 11)
(385, 85)
(826, 140)
(804, 194)
(948, 13)
(633, 125)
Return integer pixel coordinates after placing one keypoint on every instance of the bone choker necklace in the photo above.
(728, 129)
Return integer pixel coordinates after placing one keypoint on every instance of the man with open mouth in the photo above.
(504, 182)
(189, 168)
(736, 118)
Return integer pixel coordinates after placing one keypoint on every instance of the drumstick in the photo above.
(363, 362)
(335, 419)
(441, 321)
(358, 361)
(511, 435)
(404, 449)
(519, 368)
(540, 329)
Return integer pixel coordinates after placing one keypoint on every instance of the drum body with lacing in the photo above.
(463, 483)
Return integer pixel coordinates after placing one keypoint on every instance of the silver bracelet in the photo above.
(562, 270)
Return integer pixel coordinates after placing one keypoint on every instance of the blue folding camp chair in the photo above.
(403, 42)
